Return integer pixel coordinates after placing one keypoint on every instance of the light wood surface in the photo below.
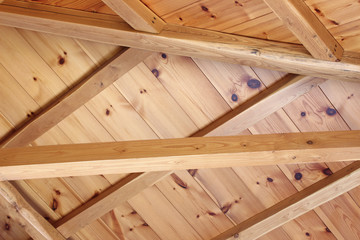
(170, 154)
(72, 100)
(260, 106)
(297, 204)
(41, 229)
(303, 23)
(179, 40)
(137, 15)
(108, 200)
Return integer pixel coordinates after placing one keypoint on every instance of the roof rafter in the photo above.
(294, 206)
(137, 15)
(35, 225)
(88, 88)
(107, 200)
(304, 24)
(260, 106)
(182, 153)
(289, 85)
(178, 40)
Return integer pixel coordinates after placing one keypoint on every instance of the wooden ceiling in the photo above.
(138, 92)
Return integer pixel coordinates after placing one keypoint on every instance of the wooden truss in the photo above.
(141, 30)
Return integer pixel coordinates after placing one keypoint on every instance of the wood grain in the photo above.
(41, 229)
(108, 200)
(78, 96)
(297, 204)
(179, 40)
(137, 15)
(170, 154)
(260, 106)
(304, 24)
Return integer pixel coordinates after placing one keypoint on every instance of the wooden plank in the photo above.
(78, 96)
(182, 153)
(257, 108)
(162, 216)
(108, 200)
(303, 23)
(137, 15)
(179, 40)
(297, 204)
(43, 229)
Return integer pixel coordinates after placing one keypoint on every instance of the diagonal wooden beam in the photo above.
(303, 23)
(285, 89)
(182, 153)
(104, 76)
(35, 225)
(260, 106)
(178, 40)
(296, 205)
(137, 15)
(107, 200)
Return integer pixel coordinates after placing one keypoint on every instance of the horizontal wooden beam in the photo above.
(96, 82)
(137, 15)
(35, 224)
(260, 106)
(304, 24)
(107, 200)
(178, 40)
(296, 205)
(183, 153)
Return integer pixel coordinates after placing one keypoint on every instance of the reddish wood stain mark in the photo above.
(327, 171)
(145, 224)
(133, 212)
(8, 217)
(238, 4)
(57, 192)
(54, 204)
(35, 79)
(178, 181)
(226, 208)
(257, 183)
(310, 142)
(96, 193)
(269, 179)
(198, 216)
(317, 10)
(61, 60)
(205, 9)
(350, 96)
(211, 213)
(192, 172)
(65, 53)
(334, 22)
(327, 230)
(7, 227)
(130, 229)
(307, 234)
(107, 112)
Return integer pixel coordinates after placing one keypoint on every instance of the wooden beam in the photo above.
(260, 106)
(178, 40)
(107, 200)
(137, 15)
(291, 85)
(304, 24)
(40, 228)
(111, 71)
(182, 153)
(296, 205)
